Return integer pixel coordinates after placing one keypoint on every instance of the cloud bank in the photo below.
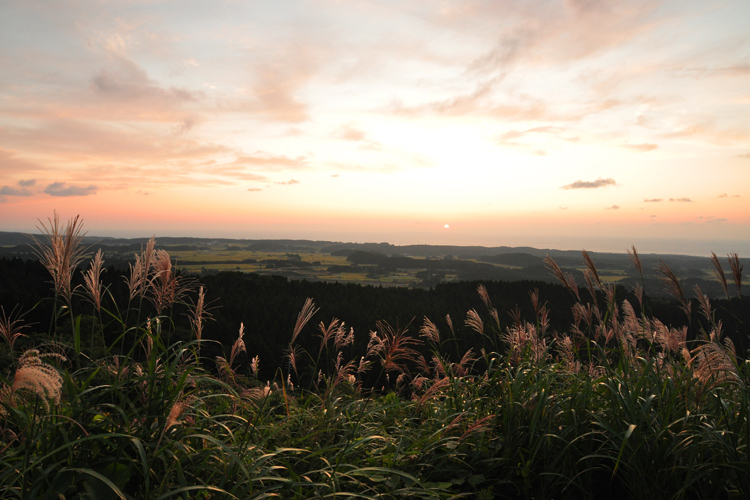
(61, 189)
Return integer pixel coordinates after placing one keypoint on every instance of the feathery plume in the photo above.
(433, 391)
(449, 321)
(567, 356)
(590, 264)
(344, 372)
(397, 348)
(255, 394)
(638, 291)
(37, 377)
(139, 272)
(609, 295)
(199, 314)
(176, 411)
(291, 354)
(364, 366)
(343, 338)
(703, 302)
(164, 284)
(716, 362)
(150, 334)
(255, 365)
(238, 346)
(430, 331)
(522, 341)
(566, 279)
(327, 333)
(474, 321)
(590, 285)
(636, 260)
(307, 312)
(226, 367)
(719, 273)
(534, 296)
(61, 253)
(439, 365)
(674, 287)
(583, 313)
(463, 365)
(734, 263)
(672, 340)
(11, 326)
(481, 425)
(92, 281)
(630, 323)
(375, 346)
(516, 316)
(485, 296)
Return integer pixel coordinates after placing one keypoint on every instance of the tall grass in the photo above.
(619, 405)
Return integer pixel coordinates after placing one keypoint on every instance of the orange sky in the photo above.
(562, 124)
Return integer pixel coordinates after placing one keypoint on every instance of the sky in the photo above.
(555, 124)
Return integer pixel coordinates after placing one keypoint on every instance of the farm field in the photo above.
(311, 266)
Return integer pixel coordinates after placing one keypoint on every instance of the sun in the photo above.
(447, 226)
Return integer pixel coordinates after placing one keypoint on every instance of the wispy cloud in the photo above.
(287, 183)
(725, 195)
(643, 148)
(681, 200)
(126, 81)
(511, 137)
(19, 191)
(11, 191)
(480, 103)
(14, 164)
(578, 29)
(348, 132)
(613, 207)
(64, 190)
(599, 183)
(653, 200)
(271, 161)
(278, 80)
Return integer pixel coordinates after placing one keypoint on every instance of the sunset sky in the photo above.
(556, 124)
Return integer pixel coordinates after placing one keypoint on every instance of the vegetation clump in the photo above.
(125, 398)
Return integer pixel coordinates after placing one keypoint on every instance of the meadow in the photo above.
(115, 397)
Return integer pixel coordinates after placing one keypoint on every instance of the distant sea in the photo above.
(695, 247)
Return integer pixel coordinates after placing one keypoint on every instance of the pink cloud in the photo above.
(61, 189)
(641, 147)
(591, 184)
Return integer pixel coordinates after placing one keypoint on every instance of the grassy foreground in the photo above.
(618, 406)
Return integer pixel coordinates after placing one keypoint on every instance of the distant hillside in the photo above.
(514, 259)
(431, 264)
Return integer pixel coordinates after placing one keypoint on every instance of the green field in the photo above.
(211, 260)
